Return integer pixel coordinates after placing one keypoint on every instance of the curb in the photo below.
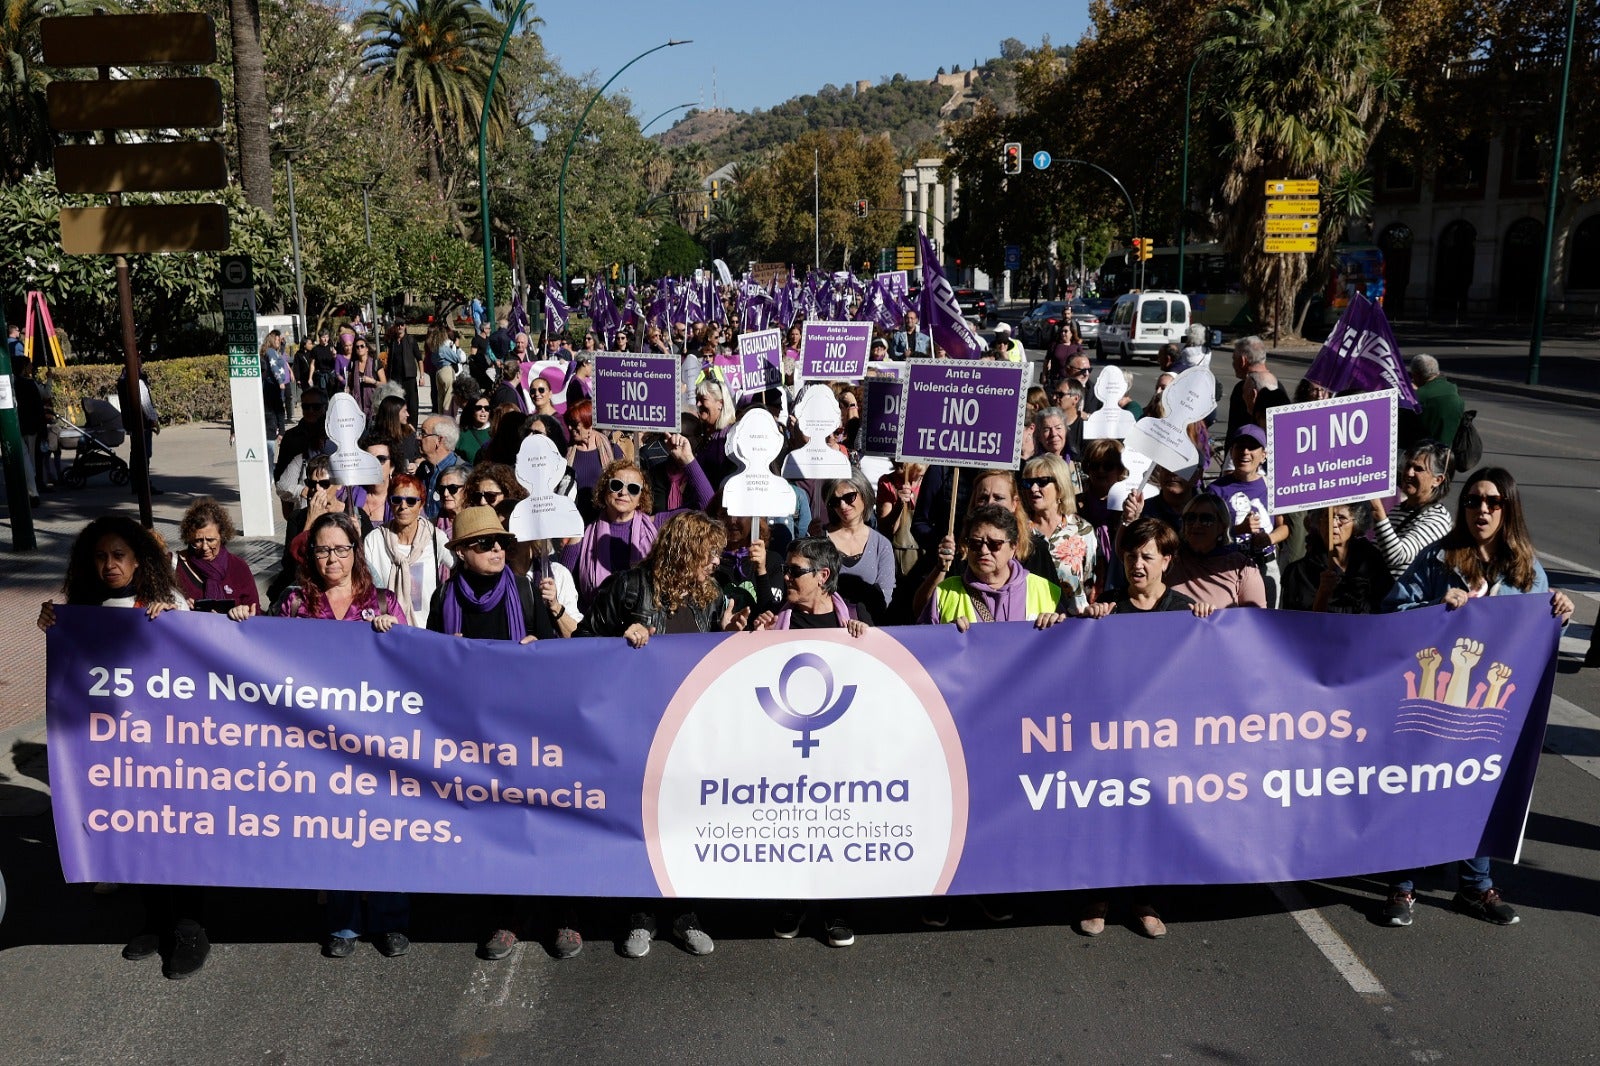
(1477, 381)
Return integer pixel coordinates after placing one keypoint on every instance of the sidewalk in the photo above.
(189, 461)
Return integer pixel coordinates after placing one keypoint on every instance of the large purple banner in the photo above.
(1334, 451)
(1122, 751)
(962, 412)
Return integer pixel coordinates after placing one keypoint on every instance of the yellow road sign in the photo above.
(145, 228)
(1293, 188)
(1289, 244)
(1275, 225)
(1292, 207)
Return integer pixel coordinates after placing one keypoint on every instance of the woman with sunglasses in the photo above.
(493, 485)
(1420, 517)
(373, 500)
(1342, 572)
(486, 598)
(1052, 507)
(622, 534)
(476, 428)
(210, 577)
(1208, 567)
(406, 554)
(868, 572)
(451, 495)
(336, 585)
(1487, 553)
(995, 587)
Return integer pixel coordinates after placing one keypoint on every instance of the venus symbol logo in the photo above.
(780, 706)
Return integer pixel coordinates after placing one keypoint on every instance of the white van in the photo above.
(1141, 322)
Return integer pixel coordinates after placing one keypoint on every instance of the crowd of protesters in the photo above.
(428, 545)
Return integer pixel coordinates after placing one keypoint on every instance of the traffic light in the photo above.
(861, 209)
(1013, 158)
(1138, 248)
(705, 212)
(616, 270)
(1147, 250)
(716, 189)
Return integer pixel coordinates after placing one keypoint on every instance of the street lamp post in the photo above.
(663, 115)
(1183, 182)
(572, 142)
(372, 277)
(1133, 214)
(1537, 342)
(483, 155)
(294, 243)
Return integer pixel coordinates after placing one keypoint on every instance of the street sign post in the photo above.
(256, 498)
(1291, 207)
(1292, 226)
(1294, 188)
(1041, 160)
(1289, 244)
(1013, 257)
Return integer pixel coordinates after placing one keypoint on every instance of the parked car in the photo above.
(1038, 327)
(978, 305)
(1141, 322)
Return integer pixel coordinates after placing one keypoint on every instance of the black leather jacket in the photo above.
(628, 597)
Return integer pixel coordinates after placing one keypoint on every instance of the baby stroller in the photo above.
(92, 445)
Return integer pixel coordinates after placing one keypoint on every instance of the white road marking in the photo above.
(1576, 568)
(1517, 427)
(1328, 941)
(1583, 749)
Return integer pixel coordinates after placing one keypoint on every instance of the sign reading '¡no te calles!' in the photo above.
(636, 392)
(961, 412)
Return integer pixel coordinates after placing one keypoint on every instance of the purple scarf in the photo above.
(592, 569)
(1009, 602)
(504, 591)
(840, 608)
(212, 573)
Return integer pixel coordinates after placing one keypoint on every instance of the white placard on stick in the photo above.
(755, 491)
(545, 514)
(345, 423)
(817, 412)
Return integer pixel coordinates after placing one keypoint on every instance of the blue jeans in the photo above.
(1472, 875)
(387, 912)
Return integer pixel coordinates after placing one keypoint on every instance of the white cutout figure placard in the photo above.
(817, 411)
(345, 423)
(544, 515)
(1191, 396)
(1110, 386)
(1165, 443)
(755, 491)
(1139, 467)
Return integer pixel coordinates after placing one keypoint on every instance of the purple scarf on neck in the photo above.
(456, 590)
(592, 568)
(212, 573)
(840, 608)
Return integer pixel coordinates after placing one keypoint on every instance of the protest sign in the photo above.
(817, 413)
(897, 282)
(755, 491)
(880, 414)
(1109, 420)
(834, 351)
(545, 514)
(793, 765)
(760, 361)
(636, 392)
(349, 464)
(1191, 396)
(1165, 444)
(1328, 452)
(960, 413)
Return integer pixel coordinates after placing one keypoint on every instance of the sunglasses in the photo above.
(404, 501)
(845, 499)
(538, 392)
(1037, 482)
(1474, 501)
(451, 490)
(1075, 371)
(976, 545)
(485, 544)
(618, 486)
(318, 483)
(480, 407)
(488, 496)
(1201, 519)
(795, 573)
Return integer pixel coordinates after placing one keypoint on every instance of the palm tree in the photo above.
(1302, 86)
(25, 139)
(437, 55)
(250, 107)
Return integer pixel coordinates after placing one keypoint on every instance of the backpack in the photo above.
(1467, 449)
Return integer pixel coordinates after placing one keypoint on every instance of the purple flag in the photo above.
(941, 313)
(1362, 354)
(517, 319)
(555, 308)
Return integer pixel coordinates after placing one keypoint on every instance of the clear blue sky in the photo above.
(764, 54)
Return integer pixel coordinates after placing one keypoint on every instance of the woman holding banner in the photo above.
(1420, 517)
(1052, 507)
(115, 562)
(1208, 568)
(996, 587)
(1487, 553)
(335, 584)
(674, 590)
(209, 576)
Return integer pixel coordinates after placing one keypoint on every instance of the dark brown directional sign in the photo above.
(128, 40)
(136, 104)
(178, 166)
(153, 228)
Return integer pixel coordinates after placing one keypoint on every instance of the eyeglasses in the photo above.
(976, 545)
(333, 551)
(204, 542)
(404, 501)
(1341, 519)
(318, 483)
(795, 573)
(845, 499)
(485, 544)
(486, 496)
(1474, 501)
(480, 407)
(431, 433)
(1200, 518)
(451, 490)
(1037, 482)
(618, 486)
(1077, 370)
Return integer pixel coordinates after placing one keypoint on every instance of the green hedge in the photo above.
(184, 390)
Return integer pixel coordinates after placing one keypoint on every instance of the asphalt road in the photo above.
(1253, 974)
